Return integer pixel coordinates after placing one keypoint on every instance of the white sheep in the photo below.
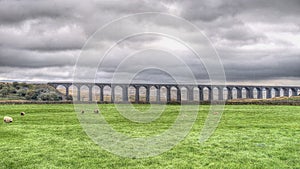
(7, 119)
(96, 111)
(22, 113)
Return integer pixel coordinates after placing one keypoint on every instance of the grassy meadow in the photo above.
(248, 136)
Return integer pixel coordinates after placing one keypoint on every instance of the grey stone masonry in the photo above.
(204, 91)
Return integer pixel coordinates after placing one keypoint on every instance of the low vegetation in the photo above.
(24, 91)
(248, 136)
(282, 98)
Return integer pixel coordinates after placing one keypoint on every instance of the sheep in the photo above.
(96, 111)
(22, 113)
(7, 119)
(82, 111)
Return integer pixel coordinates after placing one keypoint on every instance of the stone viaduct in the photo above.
(212, 92)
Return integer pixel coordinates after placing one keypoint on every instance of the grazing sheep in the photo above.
(96, 111)
(7, 119)
(82, 111)
(22, 113)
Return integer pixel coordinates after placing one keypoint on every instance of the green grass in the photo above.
(248, 136)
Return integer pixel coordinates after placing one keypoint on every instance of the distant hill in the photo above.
(26, 91)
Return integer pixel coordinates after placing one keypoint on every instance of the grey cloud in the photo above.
(25, 58)
(37, 74)
(241, 33)
(263, 68)
(68, 37)
(264, 10)
(43, 36)
(208, 10)
(14, 11)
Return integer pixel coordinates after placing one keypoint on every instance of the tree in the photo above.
(15, 84)
(21, 92)
(11, 89)
(69, 97)
(31, 95)
(1, 85)
(4, 91)
(50, 97)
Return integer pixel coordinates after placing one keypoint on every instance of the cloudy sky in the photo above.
(258, 41)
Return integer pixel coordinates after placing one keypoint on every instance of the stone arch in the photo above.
(206, 92)
(195, 94)
(84, 93)
(215, 95)
(107, 93)
(118, 93)
(244, 93)
(163, 94)
(62, 89)
(131, 93)
(184, 93)
(255, 93)
(96, 93)
(265, 92)
(173, 94)
(142, 92)
(234, 93)
(153, 94)
(225, 93)
(281, 92)
(273, 92)
(290, 92)
(73, 92)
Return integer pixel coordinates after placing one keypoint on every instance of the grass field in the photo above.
(248, 136)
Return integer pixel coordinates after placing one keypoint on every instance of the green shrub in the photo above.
(50, 97)
(21, 92)
(69, 97)
(31, 95)
(4, 91)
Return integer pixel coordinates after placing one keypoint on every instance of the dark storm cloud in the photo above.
(256, 40)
